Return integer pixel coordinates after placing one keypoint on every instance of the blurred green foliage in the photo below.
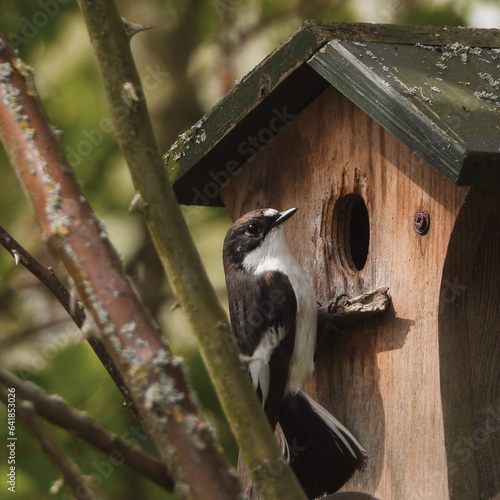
(188, 62)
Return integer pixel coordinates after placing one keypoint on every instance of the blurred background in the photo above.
(187, 63)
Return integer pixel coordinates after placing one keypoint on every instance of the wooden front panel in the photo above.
(382, 377)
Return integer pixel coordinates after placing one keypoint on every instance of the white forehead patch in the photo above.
(269, 212)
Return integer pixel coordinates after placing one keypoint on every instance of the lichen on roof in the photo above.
(195, 134)
(437, 89)
(451, 117)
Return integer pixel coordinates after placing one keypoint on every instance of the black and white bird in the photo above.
(274, 318)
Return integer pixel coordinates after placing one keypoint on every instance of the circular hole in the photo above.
(351, 228)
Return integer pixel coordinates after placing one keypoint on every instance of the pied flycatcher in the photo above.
(274, 318)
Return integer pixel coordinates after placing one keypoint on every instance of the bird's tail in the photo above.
(322, 452)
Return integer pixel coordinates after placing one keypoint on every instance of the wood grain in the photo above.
(388, 379)
(469, 326)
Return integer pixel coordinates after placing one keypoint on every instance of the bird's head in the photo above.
(258, 232)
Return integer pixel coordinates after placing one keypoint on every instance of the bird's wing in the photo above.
(263, 311)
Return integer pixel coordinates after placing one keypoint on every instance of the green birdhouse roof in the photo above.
(437, 89)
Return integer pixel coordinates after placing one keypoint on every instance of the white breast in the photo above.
(274, 254)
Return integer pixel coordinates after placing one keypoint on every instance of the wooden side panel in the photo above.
(469, 339)
(483, 333)
(382, 378)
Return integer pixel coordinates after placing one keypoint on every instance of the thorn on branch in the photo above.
(47, 276)
(132, 29)
(44, 274)
(17, 256)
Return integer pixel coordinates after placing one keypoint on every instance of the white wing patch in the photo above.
(349, 441)
(274, 254)
(258, 363)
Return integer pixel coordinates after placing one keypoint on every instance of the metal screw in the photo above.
(421, 221)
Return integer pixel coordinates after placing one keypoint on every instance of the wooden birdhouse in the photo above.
(387, 138)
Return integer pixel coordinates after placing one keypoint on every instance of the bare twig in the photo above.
(55, 410)
(156, 380)
(45, 275)
(67, 468)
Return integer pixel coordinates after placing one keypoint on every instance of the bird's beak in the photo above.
(286, 214)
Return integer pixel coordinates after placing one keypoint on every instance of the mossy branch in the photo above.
(156, 379)
(47, 276)
(177, 251)
(56, 411)
(70, 474)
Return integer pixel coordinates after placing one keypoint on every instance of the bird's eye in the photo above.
(252, 229)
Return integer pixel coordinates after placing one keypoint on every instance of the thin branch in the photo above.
(156, 380)
(70, 474)
(55, 410)
(178, 253)
(47, 276)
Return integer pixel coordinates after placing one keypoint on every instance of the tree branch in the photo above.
(70, 474)
(55, 410)
(156, 379)
(47, 276)
(178, 253)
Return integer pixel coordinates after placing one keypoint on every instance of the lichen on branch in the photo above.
(74, 233)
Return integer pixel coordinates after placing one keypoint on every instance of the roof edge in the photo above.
(408, 34)
(213, 141)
